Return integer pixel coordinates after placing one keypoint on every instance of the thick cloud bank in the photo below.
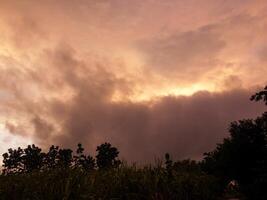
(128, 72)
(80, 108)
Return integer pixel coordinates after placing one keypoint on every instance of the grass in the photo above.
(124, 182)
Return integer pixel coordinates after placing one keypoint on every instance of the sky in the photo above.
(148, 76)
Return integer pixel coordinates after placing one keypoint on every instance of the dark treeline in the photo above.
(236, 168)
(33, 159)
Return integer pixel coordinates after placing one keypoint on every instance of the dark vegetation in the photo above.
(237, 166)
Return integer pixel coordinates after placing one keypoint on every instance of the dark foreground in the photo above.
(120, 183)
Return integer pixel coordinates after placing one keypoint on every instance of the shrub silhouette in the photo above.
(168, 164)
(107, 156)
(82, 161)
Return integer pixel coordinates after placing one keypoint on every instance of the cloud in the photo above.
(209, 53)
(73, 103)
(232, 82)
(184, 126)
(75, 72)
(183, 54)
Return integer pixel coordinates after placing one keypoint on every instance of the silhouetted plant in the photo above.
(168, 164)
(79, 157)
(187, 166)
(83, 161)
(107, 156)
(124, 182)
(12, 161)
(262, 95)
(50, 159)
(32, 159)
(64, 158)
(243, 156)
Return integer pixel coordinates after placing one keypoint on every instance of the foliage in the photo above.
(243, 156)
(83, 161)
(124, 182)
(12, 161)
(262, 95)
(51, 158)
(33, 159)
(107, 156)
(59, 175)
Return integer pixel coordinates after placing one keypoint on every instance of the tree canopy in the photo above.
(243, 155)
(33, 159)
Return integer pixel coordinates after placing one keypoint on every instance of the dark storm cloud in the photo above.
(183, 126)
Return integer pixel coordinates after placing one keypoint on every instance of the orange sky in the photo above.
(100, 70)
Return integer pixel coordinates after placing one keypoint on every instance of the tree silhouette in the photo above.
(12, 161)
(262, 95)
(23, 160)
(50, 159)
(64, 158)
(83, 161)
(107, 156)
(243, 156)
(32, 158)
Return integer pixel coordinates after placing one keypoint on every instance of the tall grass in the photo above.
(124, 182)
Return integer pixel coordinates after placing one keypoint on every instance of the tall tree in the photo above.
(243, 156)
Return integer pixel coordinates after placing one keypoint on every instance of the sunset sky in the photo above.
(149, 76)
